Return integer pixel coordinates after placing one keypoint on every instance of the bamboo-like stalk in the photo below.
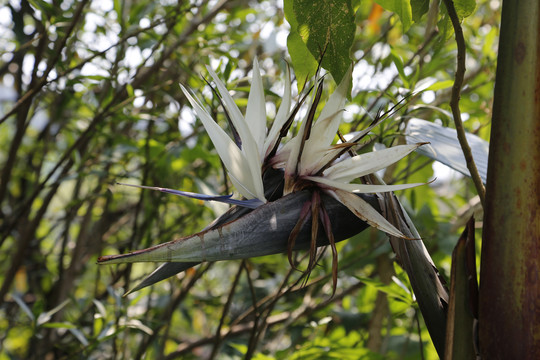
(463, 301)
(509, 314)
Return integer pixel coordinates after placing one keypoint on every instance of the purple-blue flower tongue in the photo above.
(249, 203)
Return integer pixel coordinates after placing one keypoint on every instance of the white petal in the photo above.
(228, 101)
(366, 212)
(360, 188)
(282, 155)
(324, 158)
(368, 163)
(325, 129)
(291, 164)
(243, 187)
(233, 158)
(249, 147)
(281, 117)
(256, 110)
(313, 157)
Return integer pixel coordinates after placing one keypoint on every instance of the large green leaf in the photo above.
(464, 8)
(400, 7)
(419, 8)
(327, 27)
(303, 62)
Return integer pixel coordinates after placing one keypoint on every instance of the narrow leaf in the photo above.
(391, 289)
(445, 148)
(23, 306)
(46, 316)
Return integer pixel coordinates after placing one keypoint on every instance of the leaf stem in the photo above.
(454, 101)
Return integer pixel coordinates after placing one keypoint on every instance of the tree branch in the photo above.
(454, 101)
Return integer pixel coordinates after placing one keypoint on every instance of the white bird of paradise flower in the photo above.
(309, 160)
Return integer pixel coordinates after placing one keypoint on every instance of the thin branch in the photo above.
(375, 102)
(50, 65)
(218, 339)
(454, 102)
(172, 306)
(253, 335)
(286, 318)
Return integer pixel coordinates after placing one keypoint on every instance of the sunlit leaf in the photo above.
(390, 289)
(402, 8)
(327, 27)
(444, 146)
(464, 8)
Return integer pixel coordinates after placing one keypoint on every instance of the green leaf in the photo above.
(100, 307)
(289, 14)
(393, 289)
(400, 7)
(464, 8)
(445, 27)
(46, 316)
(396, 59)
(241, 348)
(489, 47)
(419, 8)
(79, 335)
(439, 85)
(59, 325)
(303, 62)
(327, 26)
(44, 6)
(23, 306)
(129, 89)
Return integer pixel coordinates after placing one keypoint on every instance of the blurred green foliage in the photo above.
(89, 96)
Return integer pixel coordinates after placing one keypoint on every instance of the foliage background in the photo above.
(89, 96)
